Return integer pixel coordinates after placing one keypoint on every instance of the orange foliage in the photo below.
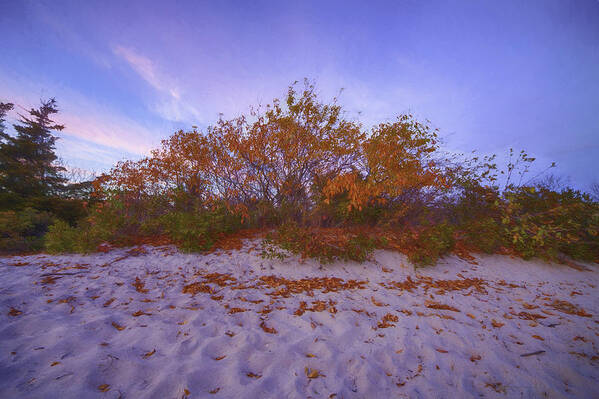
(289, 157)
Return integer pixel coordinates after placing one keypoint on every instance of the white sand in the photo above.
(64, 343)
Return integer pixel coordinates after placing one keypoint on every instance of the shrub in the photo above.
(190, 231)
(323, 182)
(324, 244)
(426, 246)
(198, 231)
(485, 234)
(62, 237)
(23, 231)
(544, 223)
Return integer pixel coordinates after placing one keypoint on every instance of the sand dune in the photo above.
(154, 323)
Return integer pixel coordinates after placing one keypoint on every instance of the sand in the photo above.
(150, 322)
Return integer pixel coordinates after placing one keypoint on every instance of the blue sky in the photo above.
(489, 75)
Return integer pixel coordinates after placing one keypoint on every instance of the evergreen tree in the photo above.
(4, 108)
(28, 171)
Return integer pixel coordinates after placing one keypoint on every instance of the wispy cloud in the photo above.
(145, 69)
(171, 103)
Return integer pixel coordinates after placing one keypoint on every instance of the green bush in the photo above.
(485, 234)
(85, 238)
(326, 245)
(544, 223)
(359, 248)
(196, 231)
(62, 237)
(430, 244)
(190, 231)
(23, 231)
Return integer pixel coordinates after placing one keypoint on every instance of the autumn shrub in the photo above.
(325, 184)
(23, 231)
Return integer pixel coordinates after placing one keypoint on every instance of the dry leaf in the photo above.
(139, 286)
(147, 355)
(270, 330)
(440, 306)
(117, 326)
(376, 303)
(141, 313)
(496, 324)
(104, 388)
(14, 312)
(312, 373)
(108, 302)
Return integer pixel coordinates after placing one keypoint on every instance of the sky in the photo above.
(489, 75)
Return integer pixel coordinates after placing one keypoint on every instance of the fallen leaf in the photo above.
(377, 303)
(104, 388)
(141, 313)
(312, 373)
(117, 326)
(147, 355)
(440, 306)
(496, 324)
(139, 286)
(108, 302)
(270, 330)
(14, 312)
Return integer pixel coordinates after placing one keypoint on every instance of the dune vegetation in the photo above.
(315, 182)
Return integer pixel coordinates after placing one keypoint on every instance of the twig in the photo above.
(532, 353)
(62, 274)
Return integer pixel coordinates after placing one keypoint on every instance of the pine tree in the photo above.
(4, 108)
(28, 171)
